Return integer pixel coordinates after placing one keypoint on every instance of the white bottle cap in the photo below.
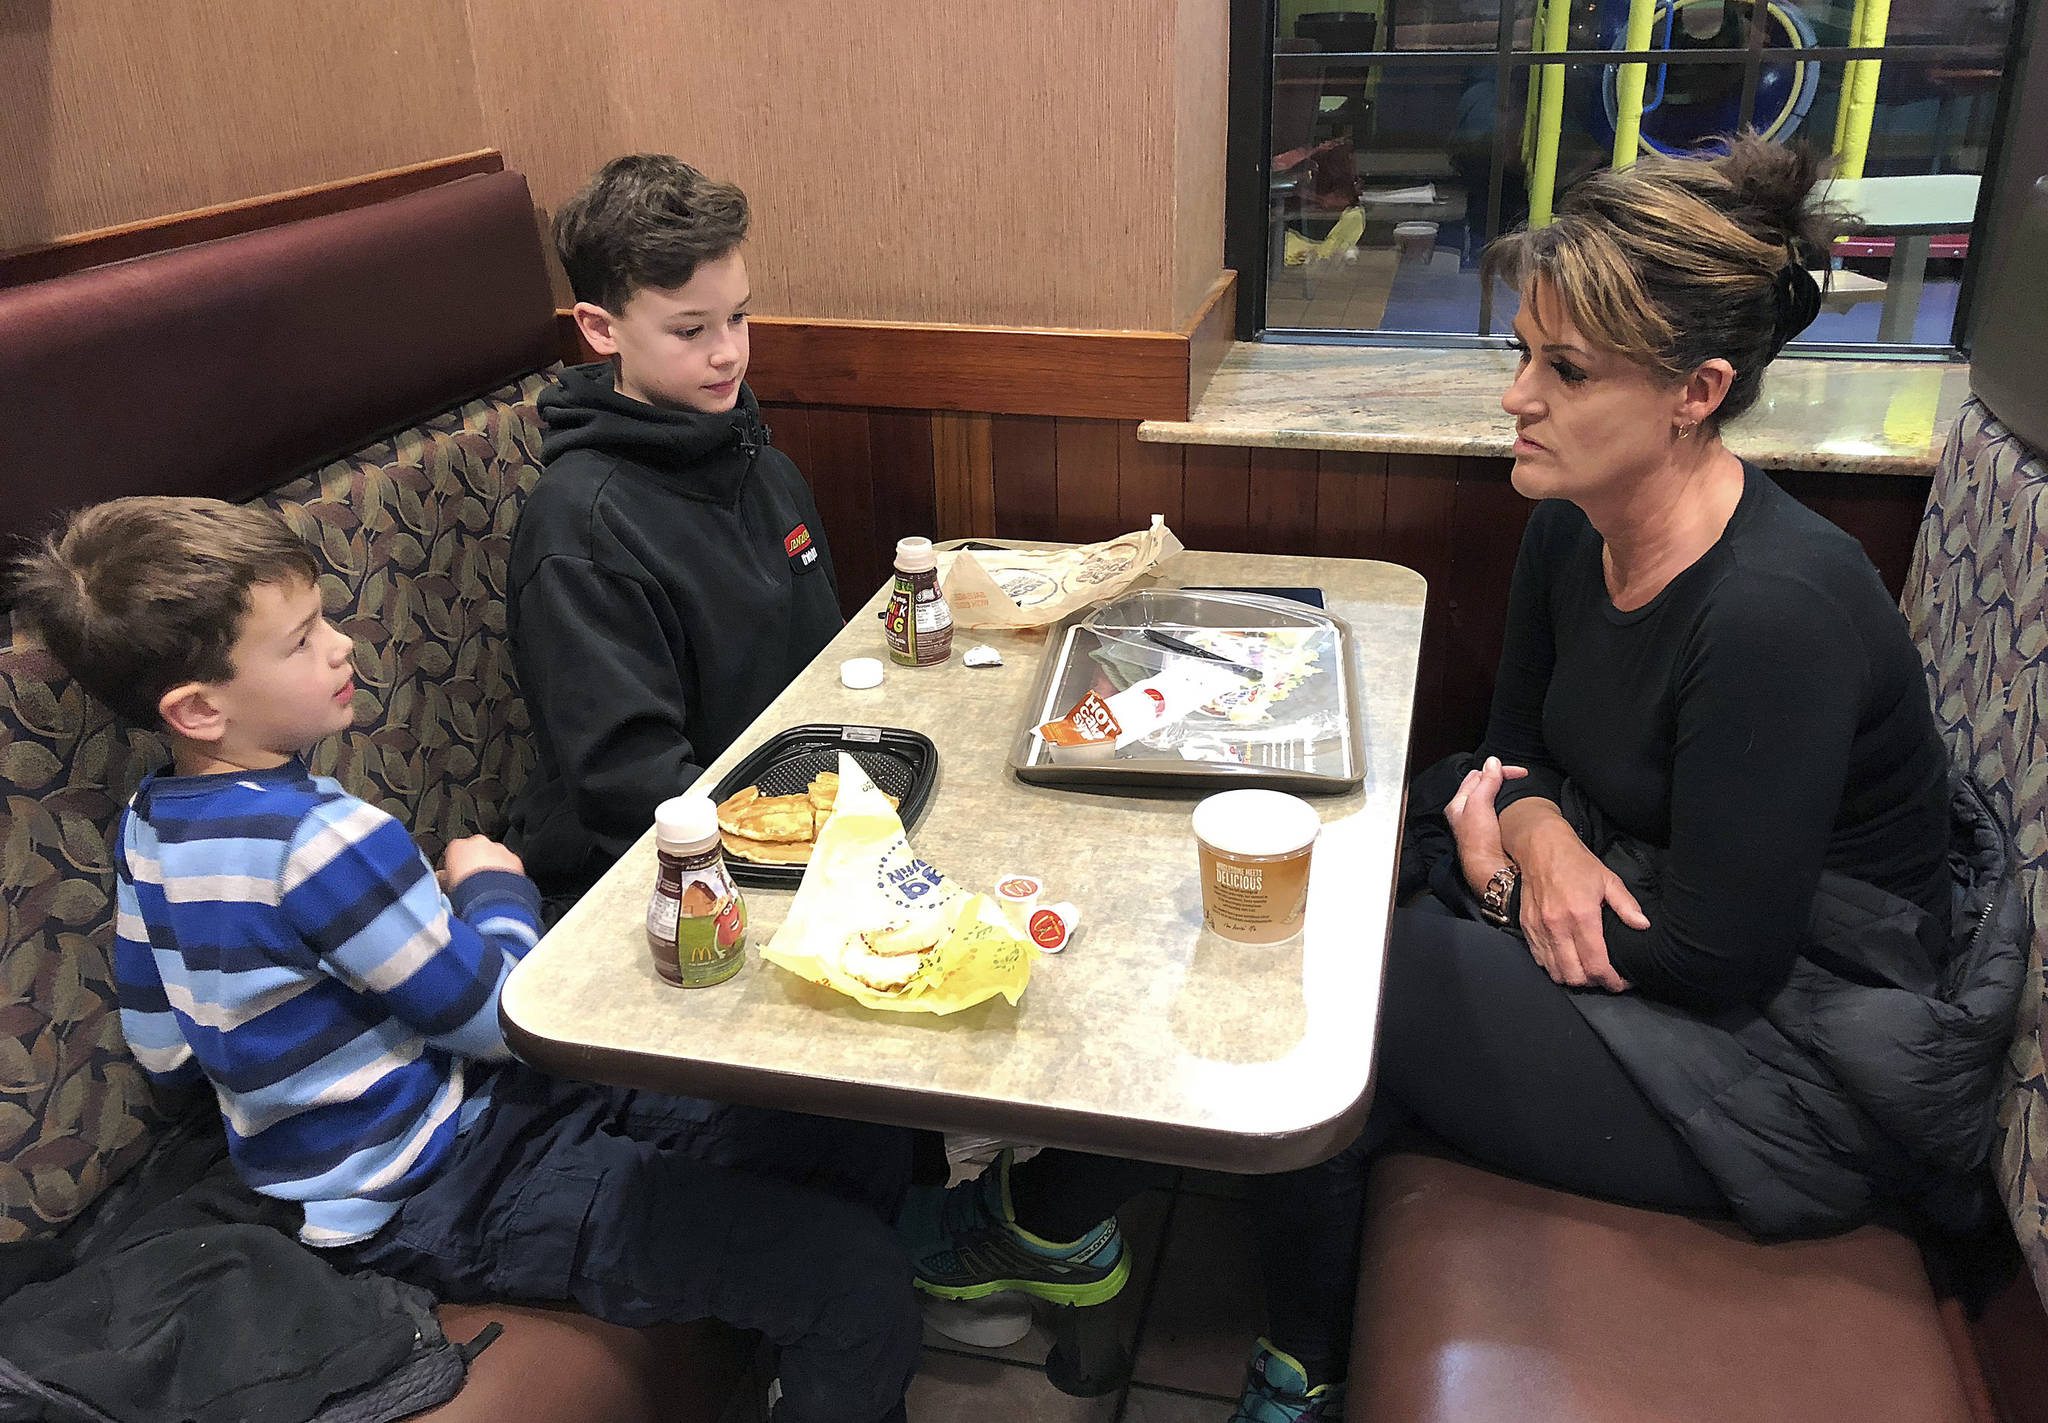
(860, 673)
(914, 555)
(686, 822)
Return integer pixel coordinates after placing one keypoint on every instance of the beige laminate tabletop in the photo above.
(1148, 1037)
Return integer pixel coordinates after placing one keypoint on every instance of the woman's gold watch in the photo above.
(1499, 894)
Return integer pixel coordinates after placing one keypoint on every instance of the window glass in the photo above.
(1405, 134)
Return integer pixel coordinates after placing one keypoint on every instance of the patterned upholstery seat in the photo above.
(412, 536)
(1977, 601)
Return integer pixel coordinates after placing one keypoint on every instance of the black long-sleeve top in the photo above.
(1763, 718)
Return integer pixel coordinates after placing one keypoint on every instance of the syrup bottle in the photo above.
(696, 920)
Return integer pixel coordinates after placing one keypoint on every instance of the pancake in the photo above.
(778, 830)
(777, 818)
(766, 852)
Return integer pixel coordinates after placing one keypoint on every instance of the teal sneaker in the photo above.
(1276, 1391)
(965, 1243)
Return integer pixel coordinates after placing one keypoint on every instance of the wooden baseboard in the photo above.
(160, 234)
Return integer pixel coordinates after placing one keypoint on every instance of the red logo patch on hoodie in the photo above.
(803, 553)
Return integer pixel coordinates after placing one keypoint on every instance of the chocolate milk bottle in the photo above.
(919, 625)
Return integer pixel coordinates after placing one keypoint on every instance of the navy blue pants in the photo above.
(643, 1209)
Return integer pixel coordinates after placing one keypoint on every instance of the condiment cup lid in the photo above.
(860, 673)
(686, 820)
(1256, 822)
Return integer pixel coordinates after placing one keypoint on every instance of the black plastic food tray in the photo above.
(902, 762)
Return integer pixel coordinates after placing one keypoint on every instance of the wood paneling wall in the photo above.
(880, 475)
(1041, 165)
(114, 110)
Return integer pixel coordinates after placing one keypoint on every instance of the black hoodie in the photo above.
(668, 579)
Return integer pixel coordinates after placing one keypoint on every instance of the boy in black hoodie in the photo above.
(668, 576)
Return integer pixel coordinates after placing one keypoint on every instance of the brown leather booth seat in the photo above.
(555, 1364)
(1484, 1299)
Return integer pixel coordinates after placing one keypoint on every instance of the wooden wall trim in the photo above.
(1209, 335)
(1002, 370)
(985, 370)
(160, 234)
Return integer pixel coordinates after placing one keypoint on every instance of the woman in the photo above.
(1713, 930)
(1711, 773)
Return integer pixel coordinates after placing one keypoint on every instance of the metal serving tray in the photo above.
(1310, 741)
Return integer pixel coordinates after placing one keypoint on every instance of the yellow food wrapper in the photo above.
(864, 877)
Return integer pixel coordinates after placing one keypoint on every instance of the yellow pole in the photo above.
(1861, 96)
(1628, 84)
(1848, 81)
(1550, 114)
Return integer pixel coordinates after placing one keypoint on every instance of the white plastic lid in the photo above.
(686, 821)
(1256, 822)
(860, 673)
(914, 555)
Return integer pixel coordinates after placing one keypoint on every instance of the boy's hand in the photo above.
(472, 853)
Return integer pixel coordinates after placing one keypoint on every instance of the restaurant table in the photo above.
(1149, 1037)
(1911, 209)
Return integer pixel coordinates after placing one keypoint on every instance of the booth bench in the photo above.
(370, 374)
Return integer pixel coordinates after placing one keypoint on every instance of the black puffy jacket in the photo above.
(1872, 1076)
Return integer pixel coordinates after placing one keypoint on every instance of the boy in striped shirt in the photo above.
(288, 944)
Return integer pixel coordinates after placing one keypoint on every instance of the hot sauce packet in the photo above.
(1141, 708)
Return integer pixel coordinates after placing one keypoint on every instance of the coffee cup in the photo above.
(1254, 847)
(1414, 241)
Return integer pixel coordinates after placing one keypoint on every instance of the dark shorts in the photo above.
(643, 1209)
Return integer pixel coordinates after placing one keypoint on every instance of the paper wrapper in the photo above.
(864, 876)
(1023, 588)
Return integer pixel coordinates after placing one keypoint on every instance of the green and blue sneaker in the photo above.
(965, 1243)
(1276, 1390)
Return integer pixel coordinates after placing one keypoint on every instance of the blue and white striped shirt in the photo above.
(290, 942)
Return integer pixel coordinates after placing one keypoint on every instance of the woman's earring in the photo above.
(1685, 430)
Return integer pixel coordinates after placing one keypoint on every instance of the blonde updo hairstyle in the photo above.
(1675, 262)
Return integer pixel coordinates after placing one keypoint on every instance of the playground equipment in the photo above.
(1698, 103)
(1684, 115)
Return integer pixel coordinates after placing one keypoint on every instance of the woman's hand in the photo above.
(1564, 888)
(1476, 824)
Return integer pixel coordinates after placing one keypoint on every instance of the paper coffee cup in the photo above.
(1254, 849)
(1414, 241)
